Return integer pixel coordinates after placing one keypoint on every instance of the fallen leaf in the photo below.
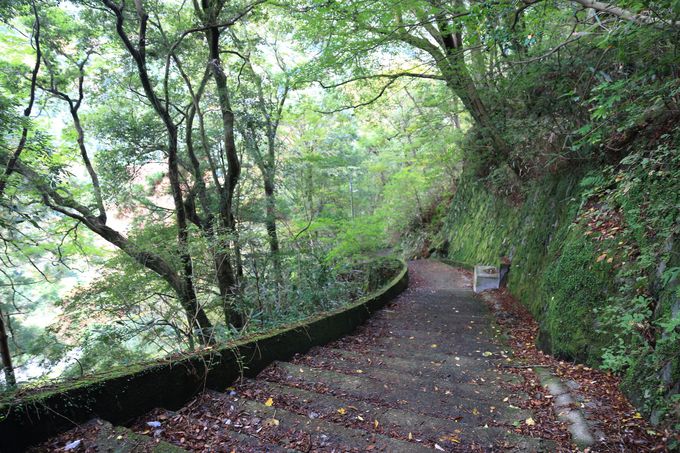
(530, 421)
(433, 346)
(271, 422)
(375, 424)
(342, 411)
(410, 436)
(450, 438)
(269, 402)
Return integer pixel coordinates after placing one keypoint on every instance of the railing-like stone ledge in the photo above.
(131, 392)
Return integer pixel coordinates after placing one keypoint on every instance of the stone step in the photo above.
(443, 303)
(100, 435)
(321, 435)
(436, 324)
(453, 369)
(472, 387)
(462, 299)
(462, 292)
(462, 346)
(477, 361)
(466, 402)
(206, 431)
(425, 355)
(352, 412)
(122, 440)
(428, 337)
(446, 328)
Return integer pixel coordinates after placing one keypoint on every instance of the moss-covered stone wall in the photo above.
(577, 265)
(127, 393)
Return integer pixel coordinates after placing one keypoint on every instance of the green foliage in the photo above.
(476, 131)
(595, 260)
(576, 286)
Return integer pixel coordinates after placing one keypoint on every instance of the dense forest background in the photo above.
(177, 174)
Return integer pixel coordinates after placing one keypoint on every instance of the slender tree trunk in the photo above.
(227, 284)
(272, 232)
(227, 278)
(456, 116)
(224, 272)
(351, 196)
(7, 367)
(460, 82)
(185, 287)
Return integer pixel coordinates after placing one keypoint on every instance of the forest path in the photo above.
(423, 374)
(420, 375)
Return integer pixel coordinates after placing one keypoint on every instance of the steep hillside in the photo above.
(594, 255)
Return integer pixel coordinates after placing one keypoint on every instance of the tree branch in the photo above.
(9, 168)
(640, 19)
(382, 76)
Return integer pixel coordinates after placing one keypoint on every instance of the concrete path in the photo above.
(421, 375)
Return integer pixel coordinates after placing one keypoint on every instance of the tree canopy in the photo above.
(175, 174)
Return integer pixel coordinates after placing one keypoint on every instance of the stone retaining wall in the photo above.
(130, 393)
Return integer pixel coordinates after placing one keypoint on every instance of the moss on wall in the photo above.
(483, 228)
(574, 285)
(130, 392)
(586, 263)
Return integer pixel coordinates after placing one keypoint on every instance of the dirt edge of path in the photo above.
(612, 420)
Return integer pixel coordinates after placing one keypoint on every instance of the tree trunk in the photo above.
(227, 279)
(7, 367)
(461, 83)
(227, 285)
(181, 284)
(186, 291)
(196, 315)
(272, 232)
(184, 287)
(454, 69)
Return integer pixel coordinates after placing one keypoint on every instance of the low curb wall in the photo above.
(131, 393)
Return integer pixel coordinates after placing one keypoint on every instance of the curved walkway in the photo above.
(421, 375)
